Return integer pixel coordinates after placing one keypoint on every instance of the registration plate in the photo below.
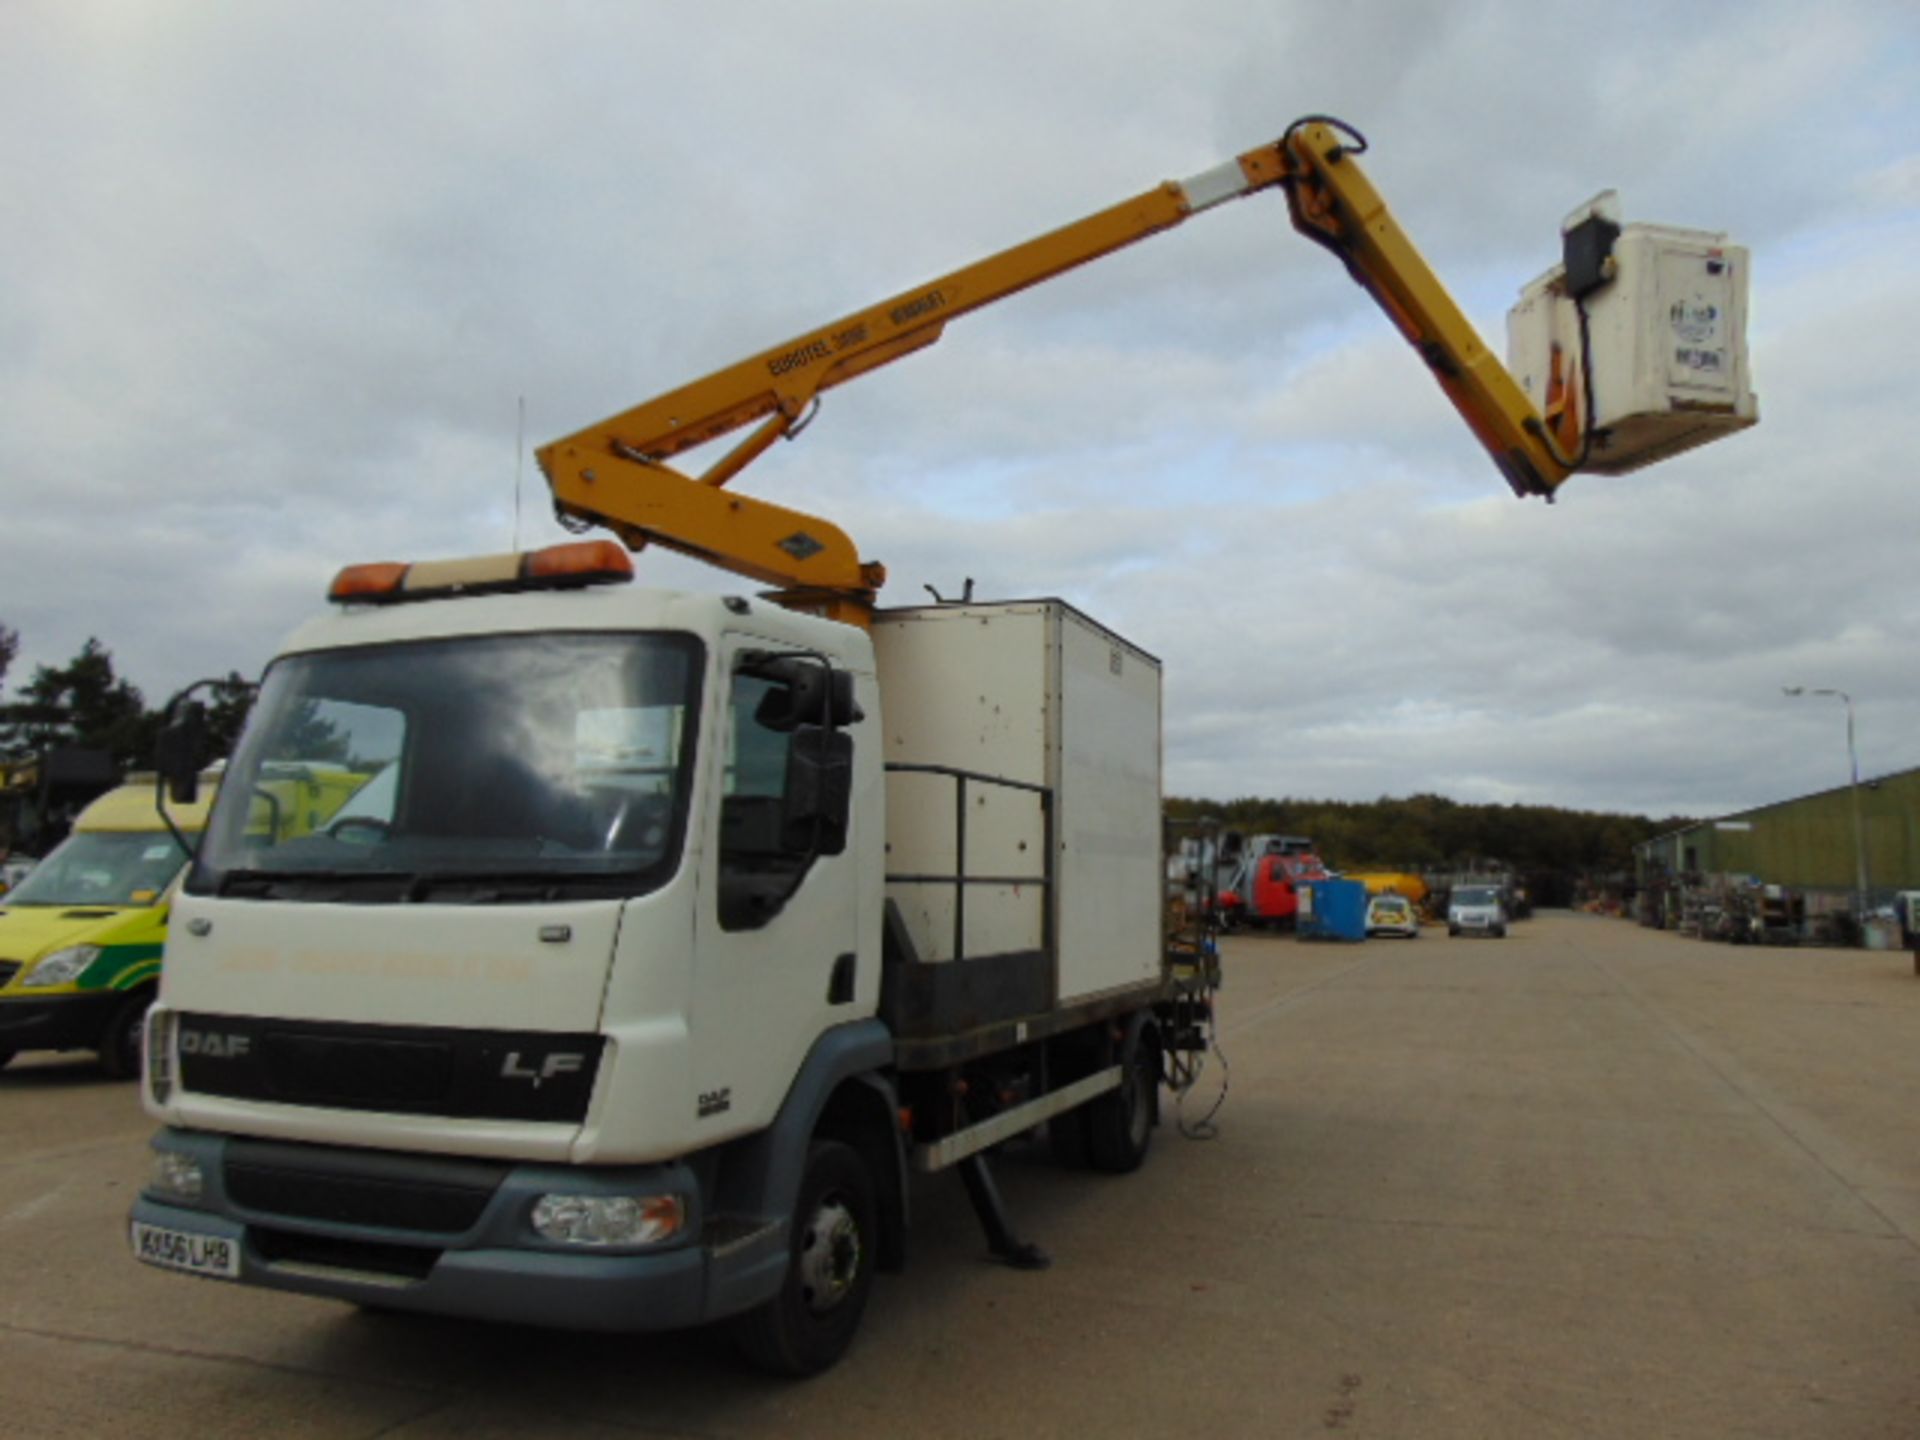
(184, 1250)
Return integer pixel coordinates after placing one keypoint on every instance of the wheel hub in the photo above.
(830, 1253)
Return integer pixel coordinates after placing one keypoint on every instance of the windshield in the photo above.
(498, 767)
(102, 867)
(1477, 895)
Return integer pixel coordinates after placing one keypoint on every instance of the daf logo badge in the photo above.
(214, 1045)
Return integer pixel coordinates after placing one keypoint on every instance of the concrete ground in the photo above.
(1588, 1181)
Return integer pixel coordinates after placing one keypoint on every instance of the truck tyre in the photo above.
(834, 1241)
(1120, 1122)
(1067, 1134)
(120, 1042)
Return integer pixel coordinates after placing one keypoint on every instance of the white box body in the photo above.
(1037, 693)
(1668, 338)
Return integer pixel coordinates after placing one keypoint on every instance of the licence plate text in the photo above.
(184, 1250)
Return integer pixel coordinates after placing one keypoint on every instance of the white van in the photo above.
(1477, 910)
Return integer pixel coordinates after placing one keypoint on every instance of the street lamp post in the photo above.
(1859, 826)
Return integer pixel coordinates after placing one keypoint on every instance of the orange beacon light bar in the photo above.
(557, 567)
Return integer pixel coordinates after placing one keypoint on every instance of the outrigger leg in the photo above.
(987, 1204)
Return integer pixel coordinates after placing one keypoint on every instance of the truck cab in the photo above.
(484, 950)
(525, 828)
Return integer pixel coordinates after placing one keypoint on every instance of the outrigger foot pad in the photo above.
(1001, 1240)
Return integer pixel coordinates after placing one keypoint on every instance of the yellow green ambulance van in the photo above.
(80, 936)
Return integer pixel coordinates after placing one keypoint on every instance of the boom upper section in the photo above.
(616, 473)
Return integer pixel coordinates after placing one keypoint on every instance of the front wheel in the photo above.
(835, 1231)
(120, 1045)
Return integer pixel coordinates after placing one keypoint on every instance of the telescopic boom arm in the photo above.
(614, 473)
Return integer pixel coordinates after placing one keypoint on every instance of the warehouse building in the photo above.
(1807, 846)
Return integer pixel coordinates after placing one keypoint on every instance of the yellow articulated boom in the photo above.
(616, 473)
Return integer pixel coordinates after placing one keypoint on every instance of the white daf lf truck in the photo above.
(665, 933)
(656, 937)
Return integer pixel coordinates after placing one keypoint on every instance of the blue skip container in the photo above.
(1332, 910)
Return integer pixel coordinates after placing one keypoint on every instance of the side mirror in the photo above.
(808, 692)
(845, 709)
(181, 751)
(819, 792)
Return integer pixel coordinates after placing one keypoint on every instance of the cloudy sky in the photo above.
(278, 278)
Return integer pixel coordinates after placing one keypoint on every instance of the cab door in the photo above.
(776, 934)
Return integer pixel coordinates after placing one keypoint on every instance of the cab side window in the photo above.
(757, 871)
(787, 788)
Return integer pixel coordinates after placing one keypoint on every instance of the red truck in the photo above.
(1262, 888)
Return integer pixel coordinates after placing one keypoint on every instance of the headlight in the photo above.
(62, 967)
(176, 1176)
(609, 1219)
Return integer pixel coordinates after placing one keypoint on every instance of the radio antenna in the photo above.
(519, 464)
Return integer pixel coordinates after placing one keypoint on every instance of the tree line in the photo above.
(1423, 833)
(86, 704)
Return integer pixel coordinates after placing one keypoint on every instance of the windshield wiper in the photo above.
(498, 885)
(259, 882)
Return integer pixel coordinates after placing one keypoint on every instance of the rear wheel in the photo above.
(1120, 1122)
(120, 1044)
(1067, 1134)
(835, 1233)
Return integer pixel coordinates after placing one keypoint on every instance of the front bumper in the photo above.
(57, 1022)
(492, 1267)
